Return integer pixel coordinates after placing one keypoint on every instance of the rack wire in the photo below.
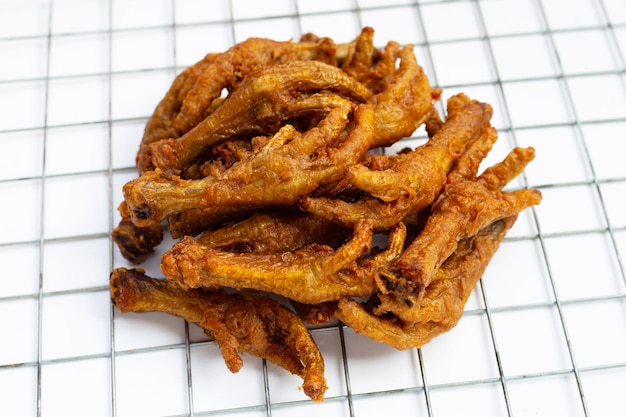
(544, 333)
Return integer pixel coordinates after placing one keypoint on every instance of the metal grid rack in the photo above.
(545, 330)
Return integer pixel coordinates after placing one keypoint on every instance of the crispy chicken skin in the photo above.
(239, 322)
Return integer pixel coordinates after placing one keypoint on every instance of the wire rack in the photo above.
(544, 332)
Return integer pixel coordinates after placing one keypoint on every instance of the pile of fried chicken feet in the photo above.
(265, 163)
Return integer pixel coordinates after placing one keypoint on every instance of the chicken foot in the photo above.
(406, 183)
(310, 274)
(466, 206)
(291, 164)
(239, 322)
(442, 304)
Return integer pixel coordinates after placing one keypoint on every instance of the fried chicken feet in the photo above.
(260, 105)
(282, 122)
(467, 205)
(196, 92)
(310, 274)
(241, 322)
(403, 184)
(441, 307)
(263, 160)
(283, 169)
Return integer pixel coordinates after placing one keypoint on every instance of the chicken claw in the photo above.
(260, 105)
(291, 164)
(465, 206)
(406, 183)
(442, 304)
(241, 322)
(264, 162)
(292, 274)
(311, 274)
(195, 92)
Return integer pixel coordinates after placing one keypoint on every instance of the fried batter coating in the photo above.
(400, 185)
(287, 167)
(442, 305)
(310, 274)
(240, 322)
(466, 205)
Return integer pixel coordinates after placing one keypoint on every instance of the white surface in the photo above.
(77, 83)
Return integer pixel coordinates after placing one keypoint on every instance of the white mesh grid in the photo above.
(544, 332)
